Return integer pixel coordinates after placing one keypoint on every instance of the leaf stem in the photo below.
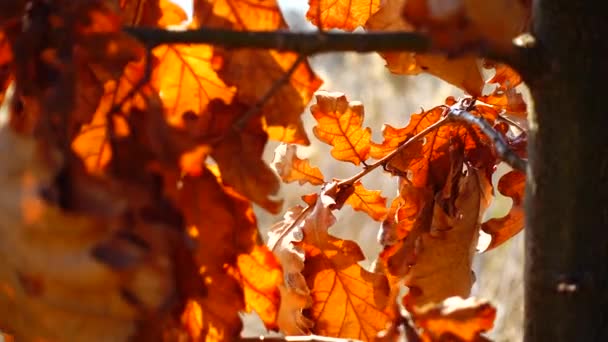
(500, 144)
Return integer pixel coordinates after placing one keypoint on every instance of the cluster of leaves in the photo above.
(129, 173)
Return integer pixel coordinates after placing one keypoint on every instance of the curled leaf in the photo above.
(502, 229)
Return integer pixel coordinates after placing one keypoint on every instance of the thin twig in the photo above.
(306, 43)
(137, 87)
(500, 144)
(388, 157)
(308, 338)
(242, 121)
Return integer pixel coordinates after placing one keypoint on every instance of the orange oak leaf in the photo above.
(291, 168)
(340, 124)
(461, 72)
(504, 75)
(502, 229)
(454, 317)
(426, 162)
(507, 99)
(347, 300)
(341, 14)
(238, 67)
(368, 201)
(340, 297)
(240, 269)
(155, 13)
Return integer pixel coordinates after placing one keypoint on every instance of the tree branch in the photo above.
(306, 43)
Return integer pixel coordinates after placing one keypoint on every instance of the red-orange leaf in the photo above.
(340, 124)
(291, 168)
(463, 319)
(507, 99)
(341, 14)
(368, 201)
(502, 229)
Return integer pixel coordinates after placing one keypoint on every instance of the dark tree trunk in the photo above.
(567, 191)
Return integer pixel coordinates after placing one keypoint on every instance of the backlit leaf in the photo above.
(368, 201)
(502, 229)
(463, 319)
(232, 272)
(291, 168)
(341, 14)
(340, 124)
(462, 72)
(348, 301)
(238, 67)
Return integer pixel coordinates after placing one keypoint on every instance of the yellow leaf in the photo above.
(341, 14)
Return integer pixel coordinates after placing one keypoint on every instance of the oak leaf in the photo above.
(502, 229)
(326, 276)
(341, 14)
(240, 269)
(340, 124)
(462, 72)
(370, 202)
(455, 318)
(238, 67)
(291, 168)
(507, 99)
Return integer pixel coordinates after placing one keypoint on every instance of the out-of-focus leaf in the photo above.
(370, 202)
(462, 72)
(461, 23)
(455, 319)
(502, 229)
(341, 14)
(237, 68)
(232, 272)
(340, 124)
(291, 168)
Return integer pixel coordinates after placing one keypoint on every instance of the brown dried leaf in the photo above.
(340, 124)
(368, 201)
(341, 14)
(461, 72)
(291, 168)
(443, 254)
(502, 229)
(507, 99)
(455, 319)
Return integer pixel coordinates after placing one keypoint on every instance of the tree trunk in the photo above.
(566, 271)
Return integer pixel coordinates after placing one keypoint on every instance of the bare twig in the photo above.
(500, 144)
(306, 43)
(388, 157)
(242, 121)
(308, 338)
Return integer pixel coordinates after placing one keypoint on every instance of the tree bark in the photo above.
(566, 271)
